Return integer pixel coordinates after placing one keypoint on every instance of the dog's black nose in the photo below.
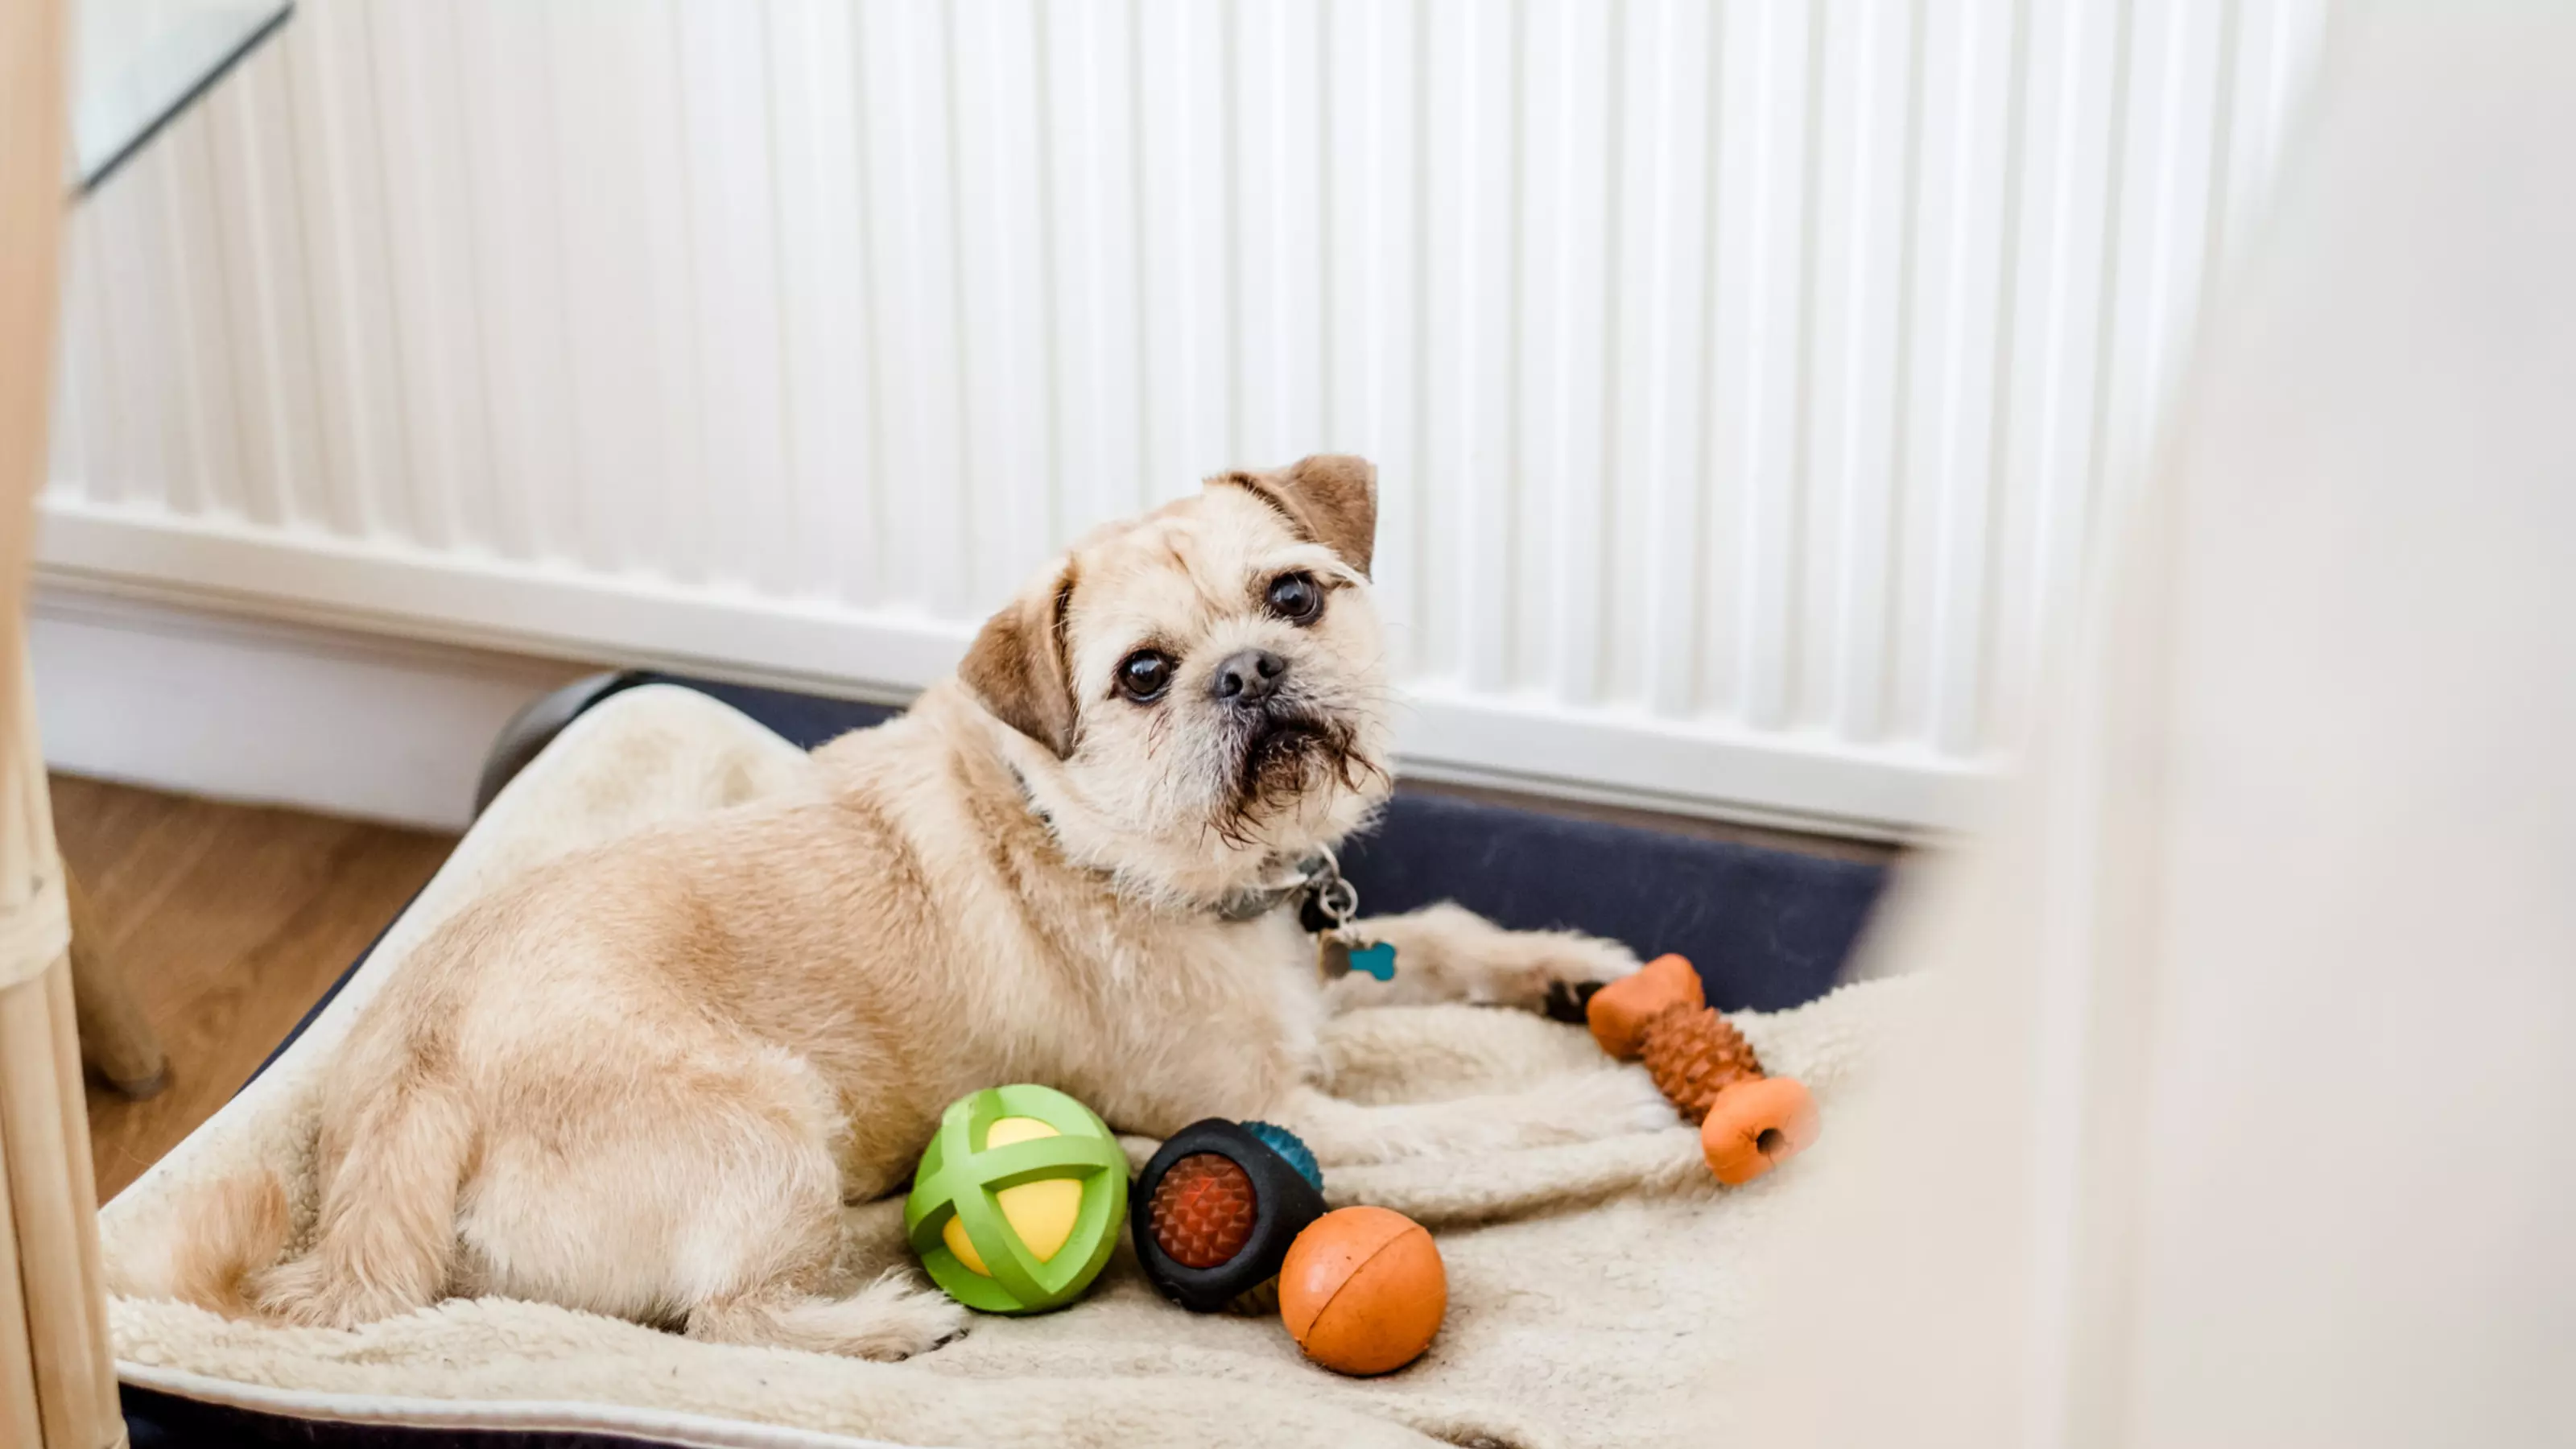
(1249, 676)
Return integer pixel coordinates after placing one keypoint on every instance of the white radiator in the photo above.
(1745, 378)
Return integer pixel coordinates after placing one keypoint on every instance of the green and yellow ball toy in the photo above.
(1018, 1201)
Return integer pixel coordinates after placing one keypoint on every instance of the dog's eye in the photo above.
(1296, 598)
(1145, 674)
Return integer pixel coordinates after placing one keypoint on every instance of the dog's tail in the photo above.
(386, 1238)
(231, 1228)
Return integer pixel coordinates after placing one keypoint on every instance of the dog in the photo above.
(644, 1079)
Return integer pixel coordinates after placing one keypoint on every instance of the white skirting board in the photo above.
(249, 709)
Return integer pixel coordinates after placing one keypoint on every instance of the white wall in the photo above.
(1745, 378)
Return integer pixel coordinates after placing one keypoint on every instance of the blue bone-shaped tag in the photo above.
(1377, 959)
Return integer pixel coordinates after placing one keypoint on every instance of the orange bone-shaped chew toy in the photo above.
(1749, 1122)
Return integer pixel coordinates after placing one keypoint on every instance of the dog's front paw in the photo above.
(1551, 971)
(1575, 968)
(1448, 953)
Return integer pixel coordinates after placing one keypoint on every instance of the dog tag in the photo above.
(1332, 901)
(1335, 957)
(1332, 958)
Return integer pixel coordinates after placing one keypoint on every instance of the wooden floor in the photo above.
(230, 920)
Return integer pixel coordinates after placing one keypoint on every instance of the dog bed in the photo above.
(1599, 1292)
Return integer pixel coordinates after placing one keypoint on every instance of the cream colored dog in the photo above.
(643, 1080)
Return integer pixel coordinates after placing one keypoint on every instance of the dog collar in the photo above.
(1309, 881)
(1326, 902)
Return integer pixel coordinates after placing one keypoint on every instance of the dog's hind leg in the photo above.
(888, 1319)
(774, 1254)
(704, 1193)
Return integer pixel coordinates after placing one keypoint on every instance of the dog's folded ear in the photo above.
(1330, 498)
(1020, 666)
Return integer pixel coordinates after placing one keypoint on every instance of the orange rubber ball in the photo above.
(1363, 1290)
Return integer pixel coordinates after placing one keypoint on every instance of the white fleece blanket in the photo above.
(1598, 1293)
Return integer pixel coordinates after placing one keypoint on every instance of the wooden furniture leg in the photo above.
(116, 1040)
(57, 1381)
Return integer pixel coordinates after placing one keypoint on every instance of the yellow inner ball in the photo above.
(1042, 1213)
